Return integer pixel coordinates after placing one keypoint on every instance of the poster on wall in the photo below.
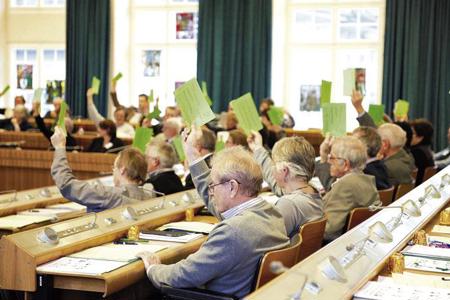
(151, 60)
(186, 26)
(179, 83)
(310, 98)
(54, 89)
(24, 77)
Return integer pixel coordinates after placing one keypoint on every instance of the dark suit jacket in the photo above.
(7, 125)
(70, 141)
(97, 145)
(423, 157)
(188, 184)
(378, 169)
(166, 182)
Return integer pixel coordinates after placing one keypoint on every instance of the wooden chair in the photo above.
(402, 189)
(287, 256)
(311, 235)
(358, 215)
(429, 172)
(387, 195)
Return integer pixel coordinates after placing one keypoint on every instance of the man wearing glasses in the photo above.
(249, 227)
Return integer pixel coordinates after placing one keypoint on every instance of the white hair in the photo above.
(175, 123)
(393, 133)
(164, 152)
(351, 149)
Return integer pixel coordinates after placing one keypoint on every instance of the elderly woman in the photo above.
(288, 173)
(107, 140)
(161, 157)
(347, 158)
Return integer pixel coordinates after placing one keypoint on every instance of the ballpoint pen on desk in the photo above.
(125, 243)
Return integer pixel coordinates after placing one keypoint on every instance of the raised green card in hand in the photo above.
(62, 116)
(334, 119)
(276, 115)
(5, 90)
(325, 92)
(401, 108)
(142, 136)
(377, 113)
(117, 77)
(151, 97)
(192, 103)
(246, 113)
(205, 93)
(95, 85)
(178, 145)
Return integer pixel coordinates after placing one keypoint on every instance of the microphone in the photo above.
(9, 200)
(277, 268)
(146, 187)
(117, 149)
(408, 208)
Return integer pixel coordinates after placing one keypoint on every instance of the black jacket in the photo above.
(378, 170)
(97, 145)
(70, 141)
(423, 156)
(166, 182)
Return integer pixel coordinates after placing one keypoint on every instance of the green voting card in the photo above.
(401, 108)
(377, 113)
(5, 90)
(246, 113)
(354, 79)
(151, 97)
(155, 113)
(220, 145)
(325, 92)
(276, 115)
(205, 93)
(95, 85)
(192, 103)
(178, 145)
(61, 116)
(334, 119)
(142, 137)
(37, 95)
(117, 77)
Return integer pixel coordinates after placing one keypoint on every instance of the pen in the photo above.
(124, 243)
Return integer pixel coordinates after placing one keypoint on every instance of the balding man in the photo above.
(399, 164)
(249, 226)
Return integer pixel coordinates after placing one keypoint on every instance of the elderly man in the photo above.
(249, 227)
(53, 114)
(19, 120)
(129, 171)
(161, 157)
(346, 158)
(399, 164)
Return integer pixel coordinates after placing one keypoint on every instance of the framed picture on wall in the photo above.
(151, 60)
(310, 98)
(186, 28)
(25, 77)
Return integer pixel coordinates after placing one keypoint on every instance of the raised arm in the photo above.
(92, 110)
(364, 119)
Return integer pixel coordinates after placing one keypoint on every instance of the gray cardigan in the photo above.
(95, 197)
(297, 207)
(228, 261)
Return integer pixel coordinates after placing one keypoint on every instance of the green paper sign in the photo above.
(246, 113)
(154, 114)
(37, 95)
(95, 85)
(142, 136)
(205, 93)
(5, 90)
(334, 119)
(178, 145)
(220, 145)
(192, 103)
(61, 116)
(151, 97)
(377, 113)
(117, 77)
(325, 92)
(276, 115)
(401, 108)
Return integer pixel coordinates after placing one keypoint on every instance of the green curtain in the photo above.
(234, 49)
(87, 52)
(417, 60)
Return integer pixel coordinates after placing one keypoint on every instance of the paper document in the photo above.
(124, 253)
(377, 113)
(334, 119)
(427, 264)
(170, 237)
(246, 113)
(197, 227)
(142, 137)
(53, 213)
(72, 206)
(441, 229)
(276, 115)
(414, 279)
(427, 252)
(18, 221)
(325, 92)
(73, 265)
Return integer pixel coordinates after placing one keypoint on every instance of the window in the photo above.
(37, 3)
(316, 40)
(160, 51)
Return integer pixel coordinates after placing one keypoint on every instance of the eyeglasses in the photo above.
(211, 186)
(332, 157)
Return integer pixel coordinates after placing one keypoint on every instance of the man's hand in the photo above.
(15, 123)
(190, 139)
(254, 140)
(357, 99)
(325, 148)
(113, 86)
(149, 258)
(58, 139)
(90, 95)
(36, 109)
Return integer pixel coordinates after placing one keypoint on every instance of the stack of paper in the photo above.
(428, 259)
(73, 265)
(169, 236)
(69, 206)
(115, 252)
(18, 221)
(195, 227)
(427, 252)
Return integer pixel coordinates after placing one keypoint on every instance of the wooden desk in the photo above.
(25, 252)
(368, 266)
(315, 137)
(27, 169)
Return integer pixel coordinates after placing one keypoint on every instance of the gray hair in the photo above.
(164, 152)
(370, 137)
(393, 133)
(351, 149)
(174, 122)
(238, 164)
(297, 154)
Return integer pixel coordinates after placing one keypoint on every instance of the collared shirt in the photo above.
(241, 207)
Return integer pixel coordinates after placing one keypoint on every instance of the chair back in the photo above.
(358, 215)
(387, 195)
(429, 172)
(311, 235)
(402, 189)
(287, 256)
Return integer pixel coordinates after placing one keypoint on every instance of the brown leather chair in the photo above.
(287, 256)
(402, 189)
(429, 172)
(387, 195)
(358, 215)
(311, 234)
